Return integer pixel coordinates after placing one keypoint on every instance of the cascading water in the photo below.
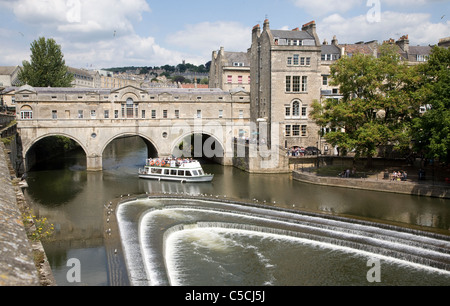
(191, 241)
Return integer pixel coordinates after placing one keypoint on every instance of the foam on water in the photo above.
(152, 246)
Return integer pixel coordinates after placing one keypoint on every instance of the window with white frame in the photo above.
(26, 113)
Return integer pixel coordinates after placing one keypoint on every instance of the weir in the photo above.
(146, 225)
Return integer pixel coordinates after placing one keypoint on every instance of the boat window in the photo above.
(200, 172)
(180, 172)
(156, 171)
(166, 171)
(173, 172)
(188, 173)
(194, 172)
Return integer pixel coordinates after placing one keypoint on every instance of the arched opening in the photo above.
(200, 146)
(55, 152)
(55, 170)
(129, 151)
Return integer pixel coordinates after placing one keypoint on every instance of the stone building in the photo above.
(9, 76)
(229, 70)
(286, 78)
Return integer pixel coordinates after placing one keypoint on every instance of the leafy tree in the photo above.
(431, 131)
(47, 66)
(377, 103)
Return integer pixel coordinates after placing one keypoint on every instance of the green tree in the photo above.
(376, 107)
(431, 131)
(47, 66)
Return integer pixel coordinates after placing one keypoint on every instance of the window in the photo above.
(289, 61)
(229, 79)
(199, 113)
(325, 80)
(288, 111)
(295, 130)
(177, 114)
(296, 108)
(143, 114)
(80, 114)
(240, 79)
(106, 114)
(165, 114)
(153, 114)
(296, 60)
(116, 114)
(93, 114)
(26, 113)
(241, 114)
(220, 113)
(129, 108)
(304, 83)
(304, 110)
(288, 83)
(54, 114)
(296, 84)
(288, 130)
(304, 130)
(422, 58)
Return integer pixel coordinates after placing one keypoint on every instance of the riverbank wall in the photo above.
(22, 262)
(401, 187)
(17, 264)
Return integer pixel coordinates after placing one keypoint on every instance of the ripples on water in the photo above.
(201, 243)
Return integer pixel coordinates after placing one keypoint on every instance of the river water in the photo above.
(212, 254)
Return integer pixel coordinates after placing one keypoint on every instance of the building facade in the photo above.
(229, 70)
(286, 78)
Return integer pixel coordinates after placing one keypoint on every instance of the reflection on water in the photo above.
(73, 200)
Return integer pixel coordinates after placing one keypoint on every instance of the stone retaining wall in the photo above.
(411, 188)
(17, 266)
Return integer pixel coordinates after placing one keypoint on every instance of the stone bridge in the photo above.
(164, 118)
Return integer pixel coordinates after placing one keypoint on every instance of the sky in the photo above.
(115, 33)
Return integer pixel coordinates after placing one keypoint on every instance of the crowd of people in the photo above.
(297, 151)
(400, 175)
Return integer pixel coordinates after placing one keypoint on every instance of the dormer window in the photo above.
(421, 58)
(238, 64)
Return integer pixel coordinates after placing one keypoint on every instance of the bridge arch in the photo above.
(211, 146)
(27, 148)
(153, 149)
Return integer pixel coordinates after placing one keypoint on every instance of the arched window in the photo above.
(26, 113)
(130, 109)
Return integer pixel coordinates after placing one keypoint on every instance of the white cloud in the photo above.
(418, 26)
(81, 17)
(205, 37)
(324, 7)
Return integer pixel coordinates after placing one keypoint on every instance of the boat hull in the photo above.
(197, 179)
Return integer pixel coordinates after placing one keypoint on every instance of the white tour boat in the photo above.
(169, 169)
